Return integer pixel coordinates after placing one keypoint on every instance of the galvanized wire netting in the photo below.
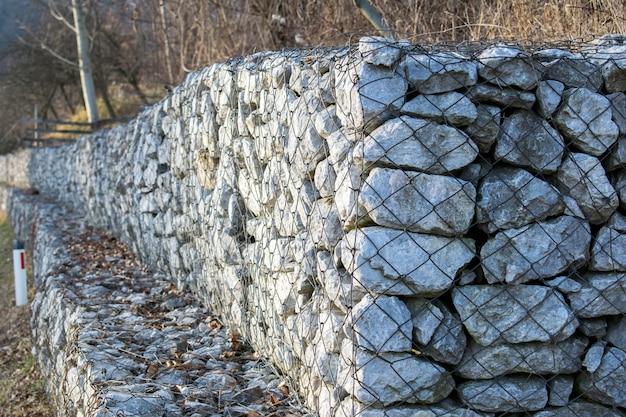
(444, 233)
(402, 230)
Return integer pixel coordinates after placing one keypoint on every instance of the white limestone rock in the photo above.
(380, 323)
(439, 72)
(387, 378)
(503, 97)
(607, 382)
(324, 225)
(585, 118)
(324, 178)
(528, 141)
(508, 66)
(418, 202)
(513, 197)
(484, 130)
(410, 143)
(549, 95)
(367, 94)
(486, 362)
(377, 50)
(560, 388)
(438, 333)
(602, 294)
(429, 267)
(538, 250)
(582, 177)
(514, 314)
(505, 394)
(608, 252)
(450, 108)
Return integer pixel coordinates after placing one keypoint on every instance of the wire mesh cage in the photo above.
(401, 229)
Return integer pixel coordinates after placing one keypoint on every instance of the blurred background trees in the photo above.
(140, 47)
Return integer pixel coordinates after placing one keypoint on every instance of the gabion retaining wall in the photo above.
(403, 230)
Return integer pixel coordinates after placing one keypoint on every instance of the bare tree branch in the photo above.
(54, 11)
(41, 44)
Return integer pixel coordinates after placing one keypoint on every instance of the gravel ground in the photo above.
(115, 338)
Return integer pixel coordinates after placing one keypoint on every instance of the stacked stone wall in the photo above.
(403, 230)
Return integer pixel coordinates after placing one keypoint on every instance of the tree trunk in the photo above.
(84, 62)
(166, 41)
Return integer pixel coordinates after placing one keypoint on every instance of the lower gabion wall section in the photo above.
(403, 230)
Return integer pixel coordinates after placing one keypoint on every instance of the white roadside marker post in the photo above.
(19, 270)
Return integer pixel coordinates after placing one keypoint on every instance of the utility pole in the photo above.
(375, 17)
(84, 61)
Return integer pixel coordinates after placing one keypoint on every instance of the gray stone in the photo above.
(324, 225)
(613, 60)
(593, 327)
(513, 197)
(508, 66)
(475, 172)
(418, 202)
(438, 332)
(324, 178)
(347, 188)
(486, 362)
(608, 252)
(504, 97)
(410, 143)
(513, 314)
(593, 357)
(620, 186)
(367, 94)
(618, 110)
(305, 147)
(585, 118)
(506, 394)
(450, 108)
(602, 294)
(326, 121)
(337, 284)
(339, 147)
(607, 383)
(387, 378)
(438, 72)
(560, 388)
(428, 267)
(426, 317)
(572, 208)
(377, 50)
(447, 408)
(549, 95)
(527, 140)
(484, 130)
(580, 409)
(564, 284)
(539, 250)
(616, 334)
(582, 177)
(575, 71)
(617, 158)
(380, 323)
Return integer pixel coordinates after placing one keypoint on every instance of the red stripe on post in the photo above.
(22, 263)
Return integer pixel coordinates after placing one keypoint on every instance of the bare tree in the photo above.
(84, 61)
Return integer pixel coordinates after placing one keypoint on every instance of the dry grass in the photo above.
(226, 28)
(21, 387)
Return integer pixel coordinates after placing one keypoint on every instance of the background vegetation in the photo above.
(138, 47)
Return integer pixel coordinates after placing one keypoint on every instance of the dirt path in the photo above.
(21, 387)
